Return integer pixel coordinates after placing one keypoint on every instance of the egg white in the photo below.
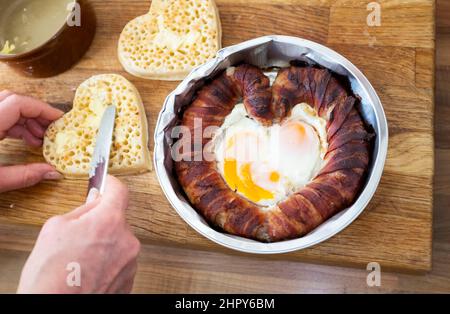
(268, 149)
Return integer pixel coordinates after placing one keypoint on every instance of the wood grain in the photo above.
(167, 269)
(394, 230)
(424, 73)
(308, 22)
(403, 24)
(373, 63)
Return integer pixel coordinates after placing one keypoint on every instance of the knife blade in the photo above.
(100, 158)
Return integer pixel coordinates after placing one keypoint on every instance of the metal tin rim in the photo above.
(333, 225)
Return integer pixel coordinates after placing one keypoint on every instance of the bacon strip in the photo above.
(332, 190)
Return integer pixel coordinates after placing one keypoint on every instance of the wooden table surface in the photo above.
(168, 269)
(394, 229)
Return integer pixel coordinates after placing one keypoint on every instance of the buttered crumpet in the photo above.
(172, 39)
(69, 142)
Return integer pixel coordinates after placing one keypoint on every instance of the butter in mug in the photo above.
(28, 24)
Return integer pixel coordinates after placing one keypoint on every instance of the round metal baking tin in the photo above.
(266, 52)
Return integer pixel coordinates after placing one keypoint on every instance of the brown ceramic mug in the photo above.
(61, 51)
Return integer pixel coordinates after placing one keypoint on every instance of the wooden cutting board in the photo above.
(398, 59)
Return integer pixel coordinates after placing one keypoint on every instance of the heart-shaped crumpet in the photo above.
(172, 39)
(69, 142)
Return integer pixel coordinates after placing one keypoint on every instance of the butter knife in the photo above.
(100, 159)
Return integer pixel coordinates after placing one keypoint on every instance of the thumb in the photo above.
(22, 176)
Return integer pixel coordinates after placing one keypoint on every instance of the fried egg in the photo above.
(266, 164)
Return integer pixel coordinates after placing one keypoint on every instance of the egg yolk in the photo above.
(242, 181)
(265, 164)
(274, 176)
(294, 133)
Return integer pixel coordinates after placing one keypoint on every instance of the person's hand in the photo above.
(25, 118)
(94, 236)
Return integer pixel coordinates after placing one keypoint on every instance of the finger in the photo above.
(21, 132)
(93, 194)
(4, 94)
(35, 128)
(115, 197)
(44, 122)
(123, 283)
(80, 211)
(116, 193)
(128, 287)
(22, 176)
(14, 107)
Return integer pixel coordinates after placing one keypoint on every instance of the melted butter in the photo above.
(64, 141)
(93, 121)
(172, 40)
(27, 24)
(7, 48)
(99, 102)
